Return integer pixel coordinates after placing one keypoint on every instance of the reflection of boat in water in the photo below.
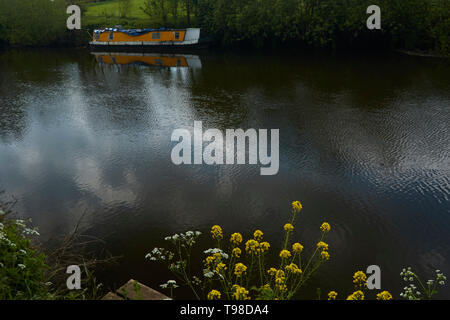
(168, 40)
(148, 59)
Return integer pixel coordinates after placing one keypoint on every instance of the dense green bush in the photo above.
(412, 24)
(22, 268)
(27, 272)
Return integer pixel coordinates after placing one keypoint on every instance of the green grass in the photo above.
(106, 14)
(111, 8)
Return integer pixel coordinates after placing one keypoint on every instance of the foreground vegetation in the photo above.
(27, 272)
(233, 270)
(412, 25)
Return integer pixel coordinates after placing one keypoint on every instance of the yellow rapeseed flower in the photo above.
(272, 271)
(258, 235)
(360, 279)
(239, 269)
(296, 207)
(332, 295)
(264, 246)
(385, 295)
(284, 254)
(325, 227)
(214, 295)
(322, 245)
(297, 247)
(236, 252)
(357, 295)
(282, 287)
(252, 246)
(221, 267)
(293, 268)
(216, 232)
(288, 227)
(325, 255)
(209, 260)
(239, 293)
(280, 277)
(236, 239)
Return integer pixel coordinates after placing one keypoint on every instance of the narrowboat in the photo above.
(162, 39)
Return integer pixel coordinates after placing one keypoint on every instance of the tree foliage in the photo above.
(32, 22)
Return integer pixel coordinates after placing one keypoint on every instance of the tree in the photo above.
(124, 8)
(156, 8)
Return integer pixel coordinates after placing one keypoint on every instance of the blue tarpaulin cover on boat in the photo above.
(130, 32)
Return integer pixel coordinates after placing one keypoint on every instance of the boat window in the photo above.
(156, 35)
(97, 35)
(111, 36)
(177, 35)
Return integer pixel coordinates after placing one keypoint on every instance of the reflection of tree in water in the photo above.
(371, 81)
(12, 121)
(12, 114)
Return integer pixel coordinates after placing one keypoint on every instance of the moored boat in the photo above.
(119, 39)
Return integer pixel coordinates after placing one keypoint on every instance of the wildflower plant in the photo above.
(236, 269)
(22, 267)
(178, 260)
(360, 284)
(417, 289)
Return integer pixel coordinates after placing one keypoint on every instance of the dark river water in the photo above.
(364, 145)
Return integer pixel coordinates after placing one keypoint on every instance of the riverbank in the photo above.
(256, 24)
(31, 270)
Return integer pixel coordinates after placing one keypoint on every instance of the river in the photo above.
(364, 145)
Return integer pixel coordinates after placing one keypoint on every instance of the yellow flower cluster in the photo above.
(288, 227)
(236, 252)
(285, 254)
(325, 255)
(296, 207)
(221, 267)
(264, 246)
(297, 247)
(325, 227)
(252, 246)
(213, 260)
(322, 246)
(357, 295)
(332, 295)
(239, 269)
(280, 277)
(236, 239)
(216, 232)
(293, 268)
(272, 271)
(360, 279)
(239, 293)
(213, 295)
(258, 235)
(385, 295)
